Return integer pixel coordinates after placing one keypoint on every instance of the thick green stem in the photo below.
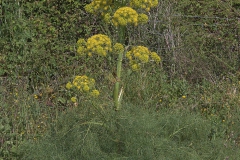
(117, 96)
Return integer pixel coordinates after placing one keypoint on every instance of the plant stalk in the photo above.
(116, 95)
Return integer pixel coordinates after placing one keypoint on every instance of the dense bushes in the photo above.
(38, 38)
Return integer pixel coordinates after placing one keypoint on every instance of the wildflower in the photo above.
(89, 8)
(144, 4)
(107, 18)
(139, 53)
(124, 16)
(81, 42)
(69, 85)
(97, 6)
(135, 67)
(35, 96)
(118, 48)
(99, 44)
(142, 18)
(183, 97)
(95, 93)
(74, 99)
(155, 57)
(83, 85)
(86, 88)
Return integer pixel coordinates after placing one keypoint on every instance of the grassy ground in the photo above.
(159, 119)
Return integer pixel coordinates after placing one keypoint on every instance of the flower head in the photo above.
(97, 6)
(155, 57)
(95, 93)
(74, 99)
(99, 44)
(69, 85)
(135, 67)
(81, 43)
(124, 16)
(144, 4)
(83, 85)
(142, 18)
(118, 48)
(107, 18)
(140, 54)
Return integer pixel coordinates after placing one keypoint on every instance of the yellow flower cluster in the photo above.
(74, 99)
(144, 4)
(124, 16)
(81, 43)
(98, 6)
(118, 48)
(83, 84)
(140, 54)
(155, 57)
(98, 44)
(142, 18)
(107, 18)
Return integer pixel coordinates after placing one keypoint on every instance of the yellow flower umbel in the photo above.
(74, 99)
(94, 93)
(155, 57)
(142, 18)
(140, 54)
(118, 48)
(81, 44)
(99, 44)
(97, 6)
(83, 84)
(124, 16)
(144, 4)
(69, 85)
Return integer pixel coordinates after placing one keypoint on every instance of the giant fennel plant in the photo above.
(120, 14)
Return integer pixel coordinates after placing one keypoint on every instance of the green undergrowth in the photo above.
(132, 133)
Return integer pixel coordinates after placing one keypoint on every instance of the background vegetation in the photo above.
(187, 107)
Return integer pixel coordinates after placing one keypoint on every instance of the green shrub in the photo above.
(38, 39)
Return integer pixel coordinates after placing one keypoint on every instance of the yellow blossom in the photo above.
(89, 8)
(155, 57)
(95, 93)
(35, 96)
(81, 42)
(118, 48)
(74, 99)
(142, 18)
(69, 85)
(99, 44)
(107, 18)
(144, 4)
(86, 88)
(97, 6)
(135, 67)
(124, 16)
(139, 53)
